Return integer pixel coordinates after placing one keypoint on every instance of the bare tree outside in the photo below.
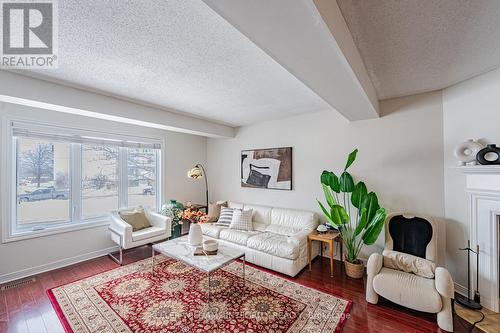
(141, 162)
(38, 162)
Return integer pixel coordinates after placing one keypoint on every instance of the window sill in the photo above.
(24, 235)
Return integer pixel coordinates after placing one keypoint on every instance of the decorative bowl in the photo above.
(210, 245)
(322, 228)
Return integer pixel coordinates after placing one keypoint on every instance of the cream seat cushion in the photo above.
(237, 236)
(408, 289)
(274, 244)
(211, 229)
(147, 233)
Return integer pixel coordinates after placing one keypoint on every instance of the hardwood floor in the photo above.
(27, 309)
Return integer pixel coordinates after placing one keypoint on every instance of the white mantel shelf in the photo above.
(479, 169)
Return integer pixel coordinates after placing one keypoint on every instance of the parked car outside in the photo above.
(43, 194)
(148, 190)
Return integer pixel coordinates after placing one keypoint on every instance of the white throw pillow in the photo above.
(242, 220)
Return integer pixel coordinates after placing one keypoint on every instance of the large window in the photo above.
(66, 177)
(42, 181)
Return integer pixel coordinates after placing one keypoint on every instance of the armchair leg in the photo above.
(115, 259)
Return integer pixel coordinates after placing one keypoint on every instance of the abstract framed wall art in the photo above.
(269, 168)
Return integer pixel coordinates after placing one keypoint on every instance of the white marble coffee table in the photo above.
(180, 249)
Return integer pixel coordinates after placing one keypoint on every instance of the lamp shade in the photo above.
(195, 173)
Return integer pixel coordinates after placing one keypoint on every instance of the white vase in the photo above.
(195, 235)
(466, 152)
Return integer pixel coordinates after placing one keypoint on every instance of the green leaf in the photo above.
(330, 179)
(375, 227)
(346, 182)
(334, 183)
(358, 195)
(324, 177)
(339, 215)
(350, 159)
(371, 204)
(328, 195)
(327, 215)
(363, 220)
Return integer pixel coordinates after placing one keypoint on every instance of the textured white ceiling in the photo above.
(176, 54)
(413, 46)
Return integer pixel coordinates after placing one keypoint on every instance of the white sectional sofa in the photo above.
(278, 241)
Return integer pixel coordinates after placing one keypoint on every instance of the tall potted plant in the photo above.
(354, 211)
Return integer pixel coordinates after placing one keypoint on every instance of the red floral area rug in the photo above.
(175, 299)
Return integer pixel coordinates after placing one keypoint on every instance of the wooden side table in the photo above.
(327, 237)
(197, 207)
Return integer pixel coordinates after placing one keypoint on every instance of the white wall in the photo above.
(26, 257)
(471, 110)
(400, 157)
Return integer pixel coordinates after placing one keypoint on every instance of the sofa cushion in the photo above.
(211, 229)
(237, 236)
(299, 219)
(147, 233)
(282, 230)
(274, 244)
(408, 289)
(261, 214)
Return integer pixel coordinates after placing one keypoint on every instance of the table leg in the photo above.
(208, 289)
(341, 250)
(331, 257)
(309, 252)
(152, 261)
(244, 282)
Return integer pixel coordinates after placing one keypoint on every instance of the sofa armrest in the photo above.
(444, 283)
(299, 238)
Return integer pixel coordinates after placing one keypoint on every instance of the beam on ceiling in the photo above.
(295, 35)
(18, 89)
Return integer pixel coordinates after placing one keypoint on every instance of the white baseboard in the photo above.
(460, 289)
(55, 265)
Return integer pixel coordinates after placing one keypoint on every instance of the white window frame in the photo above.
(8, 175)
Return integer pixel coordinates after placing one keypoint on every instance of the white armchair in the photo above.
(122, 234)
(405, 273)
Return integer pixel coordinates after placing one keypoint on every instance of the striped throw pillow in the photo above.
(242, 220)
(225, 217)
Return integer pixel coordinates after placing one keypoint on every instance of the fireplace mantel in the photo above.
(483, 192)
(479, 169)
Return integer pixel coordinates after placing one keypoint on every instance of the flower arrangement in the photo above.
(174, 213)
(193, 216)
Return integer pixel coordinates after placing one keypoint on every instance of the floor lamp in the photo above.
(198, 172)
